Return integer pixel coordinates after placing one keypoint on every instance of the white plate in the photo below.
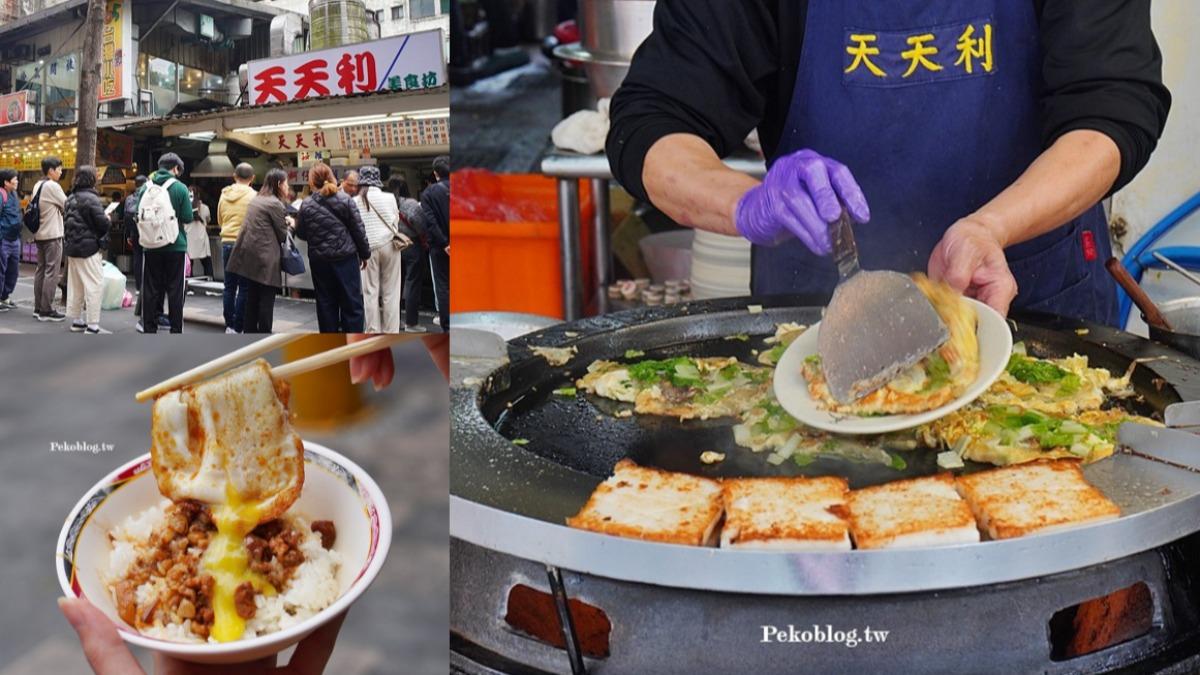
(995, 347)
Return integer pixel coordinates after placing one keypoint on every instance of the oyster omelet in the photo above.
(934, 381)
(683, 387)
(1065, 386)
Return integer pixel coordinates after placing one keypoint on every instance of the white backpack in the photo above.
(157, 224)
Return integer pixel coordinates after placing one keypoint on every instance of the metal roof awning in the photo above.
(39, 21)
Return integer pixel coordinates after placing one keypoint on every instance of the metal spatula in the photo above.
(1165, 444)
(877, 324)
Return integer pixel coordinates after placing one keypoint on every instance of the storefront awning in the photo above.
(248, 125)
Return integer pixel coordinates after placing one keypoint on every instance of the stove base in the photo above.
(987, 629)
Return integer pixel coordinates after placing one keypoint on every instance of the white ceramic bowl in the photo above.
(334, 489)
(995, 347)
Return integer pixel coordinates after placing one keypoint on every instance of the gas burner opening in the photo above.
(1102, 622)
(534, 613)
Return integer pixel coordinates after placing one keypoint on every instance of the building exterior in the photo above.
(393, 17)
(217, 82)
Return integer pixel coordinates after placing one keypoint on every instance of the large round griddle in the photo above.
(514, 498)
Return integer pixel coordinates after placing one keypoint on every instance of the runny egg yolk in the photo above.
(229, 564)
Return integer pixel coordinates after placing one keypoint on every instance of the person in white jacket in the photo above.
(52, 202)
(382, 277)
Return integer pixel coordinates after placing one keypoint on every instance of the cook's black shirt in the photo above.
(720, 68)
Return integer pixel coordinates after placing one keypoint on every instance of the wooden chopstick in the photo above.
(339, 354)
(269, 344)
(218, 365)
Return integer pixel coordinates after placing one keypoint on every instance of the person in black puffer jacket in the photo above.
(337, 250)
(85, 237)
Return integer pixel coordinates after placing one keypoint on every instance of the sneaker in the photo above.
(7, 302)
(415, 329)
(437, 320)
(53, 315)
(4, 306)
(230, 331)
(97, 330)
(78, 326)
(164, 321)
(139, 327)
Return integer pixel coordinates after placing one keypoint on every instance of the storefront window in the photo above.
(421, 9)
(196, 84)
(158, 76)
(190, 81)
(62, 85)
(27, 77)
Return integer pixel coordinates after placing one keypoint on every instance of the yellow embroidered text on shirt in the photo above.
(970, 48)
(862, 53)
(917, 55)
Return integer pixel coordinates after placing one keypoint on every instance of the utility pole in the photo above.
(89, 84)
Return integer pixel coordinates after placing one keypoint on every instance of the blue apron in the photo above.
(933, 105)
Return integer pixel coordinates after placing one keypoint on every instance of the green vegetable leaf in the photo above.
(1034, 371)
(520, 441)
(813, 359)
(938, 372)
(711, 396)
(634, 353)
(730, 371)
(565, 391)
(1070, 385)
(775, 353)
(679, 371)
(802, 460)
(898, 462)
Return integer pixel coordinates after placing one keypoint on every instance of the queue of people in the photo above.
(370, 248)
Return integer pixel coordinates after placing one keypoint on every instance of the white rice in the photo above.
(129, 535)
(313, 587)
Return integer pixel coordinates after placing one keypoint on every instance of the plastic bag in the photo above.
(482, 195)
(113, 295)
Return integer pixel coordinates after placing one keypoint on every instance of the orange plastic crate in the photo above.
(516, 266)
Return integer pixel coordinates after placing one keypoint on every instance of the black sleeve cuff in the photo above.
(1132, 142)
(630, 140)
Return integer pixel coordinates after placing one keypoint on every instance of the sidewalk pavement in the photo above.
(203, 312)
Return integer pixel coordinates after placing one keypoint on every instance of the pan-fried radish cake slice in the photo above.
(645, 503)
(910, 513)
(1043, 496)
(792, 514)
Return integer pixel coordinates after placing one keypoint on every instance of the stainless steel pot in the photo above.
(1184, 316)
(613, 29)
(610, 31)
(604, 74)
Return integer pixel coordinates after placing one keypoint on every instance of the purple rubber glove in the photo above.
(803, 193)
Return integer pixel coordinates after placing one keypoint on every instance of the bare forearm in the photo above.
(1063, 182)
(687, 181)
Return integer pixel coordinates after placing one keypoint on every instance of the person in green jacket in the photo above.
(162, 270)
